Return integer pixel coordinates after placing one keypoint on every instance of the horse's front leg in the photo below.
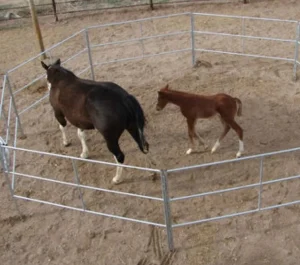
(82, 138)
(62, 124)
(65, 140)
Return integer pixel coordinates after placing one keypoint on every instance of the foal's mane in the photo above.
(165, 91)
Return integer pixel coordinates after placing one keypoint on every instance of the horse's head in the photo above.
(51, 70)
(55, 72)
(161, 100)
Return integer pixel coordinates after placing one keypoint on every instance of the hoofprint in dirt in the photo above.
(49, 235)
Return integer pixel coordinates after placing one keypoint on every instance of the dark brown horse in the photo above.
(195, 107)
(87, 105)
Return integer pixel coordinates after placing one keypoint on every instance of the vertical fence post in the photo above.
(23, 136)
(167, 210)
(193, 39)
(54, 10)
(296, 51)
(243, 33)
(89, 52)
(36, 25)
(8, 121)
(261, 174)
(5, 118)
(5, 166)
(2, 95)
(151, 4)
(14, 156)
(78, 183)
(142, 42)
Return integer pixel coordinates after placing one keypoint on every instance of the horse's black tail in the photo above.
(137, 122)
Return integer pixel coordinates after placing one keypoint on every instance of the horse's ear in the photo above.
(57, 62)
(45, 66)
(167, 87)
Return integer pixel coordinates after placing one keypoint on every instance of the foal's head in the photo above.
(55, 73)
(161, 100)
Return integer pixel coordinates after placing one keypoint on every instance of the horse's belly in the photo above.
(82, 124)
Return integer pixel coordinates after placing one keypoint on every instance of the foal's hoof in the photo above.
(84, 155)
(238, 155)
(66, 144)
(116, 181)
(189, 151)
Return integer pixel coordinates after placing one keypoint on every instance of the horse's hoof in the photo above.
(84, 155)
(116, 181)
(238, 155)
(66, 144)
(188, 152)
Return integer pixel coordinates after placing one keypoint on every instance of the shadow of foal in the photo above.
(88, 105)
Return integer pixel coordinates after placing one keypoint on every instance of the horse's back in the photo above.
(105, 105)
(104, 86)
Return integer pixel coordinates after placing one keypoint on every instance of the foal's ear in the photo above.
(45, 66)
(57, 62)
(167, 87)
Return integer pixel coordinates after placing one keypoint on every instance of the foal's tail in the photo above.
(239, 106)
(138, 121)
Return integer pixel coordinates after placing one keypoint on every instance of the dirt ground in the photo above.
(50, 235)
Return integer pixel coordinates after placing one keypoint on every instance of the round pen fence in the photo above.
(150, 37)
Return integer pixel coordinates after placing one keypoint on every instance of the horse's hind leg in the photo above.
(82, 138)
(117, 178)
(119, 157)
(225, 131)
(232, 123)
(62, 124)
(239, 132)
(201, 140)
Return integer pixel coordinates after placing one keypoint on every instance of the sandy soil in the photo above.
(49, 235)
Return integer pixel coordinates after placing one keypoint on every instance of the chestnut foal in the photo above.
(195, 107)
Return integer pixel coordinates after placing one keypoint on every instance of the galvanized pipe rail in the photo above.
(9, 167)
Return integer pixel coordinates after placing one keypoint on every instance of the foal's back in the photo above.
(206, 106)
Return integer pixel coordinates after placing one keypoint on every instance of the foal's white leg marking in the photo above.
(117, 178)
(65, 141)
(189, 151)
(85, 150)
(241, 149)
(215, 147)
